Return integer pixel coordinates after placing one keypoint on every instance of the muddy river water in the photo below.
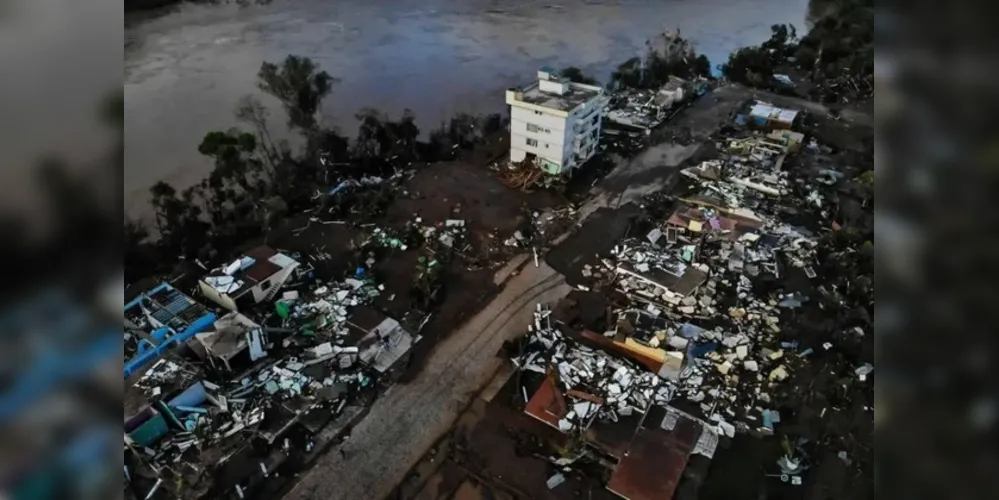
(185, 70)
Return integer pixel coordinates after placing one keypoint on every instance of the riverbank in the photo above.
(459, 257)
(469, 191)
(186, 71)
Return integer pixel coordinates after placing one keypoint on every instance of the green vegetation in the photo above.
(836, 56)
(300, 86)
(666, 55)
(255, 179)
(575, 74)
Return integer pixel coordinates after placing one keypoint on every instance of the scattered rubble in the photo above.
(307, 362)
(708, 298)
(645, 110)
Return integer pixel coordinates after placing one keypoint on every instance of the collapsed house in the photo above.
(231, 390)
(251, 279)
(768, 116)
(234, 335)
(616, 408)
(644, 109)
(156, 321)
(699, 306)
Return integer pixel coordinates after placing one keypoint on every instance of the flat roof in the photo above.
(577, 94)
(773, 112)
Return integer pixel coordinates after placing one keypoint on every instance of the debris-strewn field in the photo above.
(724, 305)
(718, 343)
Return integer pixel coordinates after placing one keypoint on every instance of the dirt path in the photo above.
(406, 420)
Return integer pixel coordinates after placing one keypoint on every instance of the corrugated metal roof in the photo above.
(544, 404)
(654, 465)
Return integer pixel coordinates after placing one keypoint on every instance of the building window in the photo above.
(532, 142)
(596, 119)
(534, 128)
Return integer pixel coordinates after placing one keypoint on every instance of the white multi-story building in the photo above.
(555, 122)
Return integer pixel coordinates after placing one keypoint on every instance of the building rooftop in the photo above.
(158, 319)
(575, 95)
(547, 404)
(238, 277)
(762, 109)
(657, 457)
(166, 305)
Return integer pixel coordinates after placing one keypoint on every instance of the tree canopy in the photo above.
(300, 86)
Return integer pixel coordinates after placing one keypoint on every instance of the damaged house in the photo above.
(645, 109)
(768, 116)
(234, 335)
(158, 320)
(253, 278)
(555, 122)
(243, 393)
(618, 410)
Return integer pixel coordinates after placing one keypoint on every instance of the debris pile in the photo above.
(222, 416)
(598, 385)
(541, 227)
(249, 385)
(325, 315)
(449, 233)
(709, 300)
(646, 109)
(527, 175)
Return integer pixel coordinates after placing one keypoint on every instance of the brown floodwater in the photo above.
(185, 70)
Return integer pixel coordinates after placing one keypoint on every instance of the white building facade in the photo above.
(555, 122)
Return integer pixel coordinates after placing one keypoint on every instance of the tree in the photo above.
(274, 207)
(139, 257)
(750, 66)
(233, 154)
(165, 207)
(782, 42)
(251, 111)
(300, 86)
(372, 136)
(179, 219)
(667, 55)
(383, 142)
(575, 74)
(701, 66)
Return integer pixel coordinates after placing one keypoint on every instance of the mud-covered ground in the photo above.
(487, 454)
(490, 452)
